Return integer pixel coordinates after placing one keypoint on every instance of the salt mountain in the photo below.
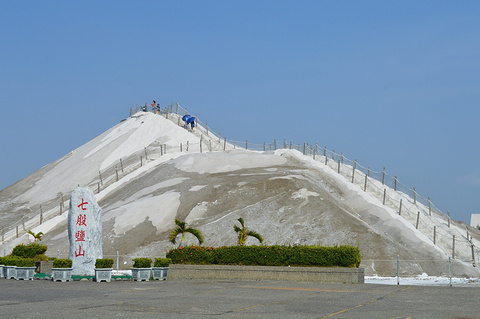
(148, 170)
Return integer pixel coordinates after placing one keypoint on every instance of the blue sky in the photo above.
(391, 83)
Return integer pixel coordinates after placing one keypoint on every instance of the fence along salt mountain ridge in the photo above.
(387, 189)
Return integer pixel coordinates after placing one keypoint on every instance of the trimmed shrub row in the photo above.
(62, 263)
(29, 251)
(338, 256)
(147, 262)
(17, 261)
(162, 262)
(104, 263)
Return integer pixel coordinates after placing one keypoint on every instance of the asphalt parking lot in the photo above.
(233, 299)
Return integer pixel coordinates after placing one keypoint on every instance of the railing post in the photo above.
(61, 204)
(398, 270)
(383, 177)
(395, 187)
(246, 144)
(353, 171)
(453, 247)
(473, 252)
(400, 209)
(450, 269)
(414, 196)
(121, 165)
(365, 186)
(339, 166)
(384, 195)
(434, 235)
(274, 144)
(418, 220)
(429, 207)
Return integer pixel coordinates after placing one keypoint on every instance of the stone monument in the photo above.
(84, 231)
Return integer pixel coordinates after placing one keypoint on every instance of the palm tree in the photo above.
(182, 229)
(243, 233)
(36, 236)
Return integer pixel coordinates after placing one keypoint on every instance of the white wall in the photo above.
(475, 220)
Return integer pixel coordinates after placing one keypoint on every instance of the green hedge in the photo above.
(104, 263)
(26, 262)
(338, 256)
(62, 263)
(11, 260)
(29, 251)
(17, 261)
(162, 262)
(142, 263)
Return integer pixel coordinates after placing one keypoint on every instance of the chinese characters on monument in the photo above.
(84, 231)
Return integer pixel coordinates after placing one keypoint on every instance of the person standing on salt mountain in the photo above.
(192, 124)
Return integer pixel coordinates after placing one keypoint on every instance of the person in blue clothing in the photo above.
(189, 120)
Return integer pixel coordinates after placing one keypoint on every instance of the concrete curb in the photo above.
(332, 275)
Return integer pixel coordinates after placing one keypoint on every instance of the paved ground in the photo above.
(233, 299)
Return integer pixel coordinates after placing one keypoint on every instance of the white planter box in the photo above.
(24, 273)
(10, 272)
(62, 274)
(103, 274)
(159, 273)
(141, 274)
